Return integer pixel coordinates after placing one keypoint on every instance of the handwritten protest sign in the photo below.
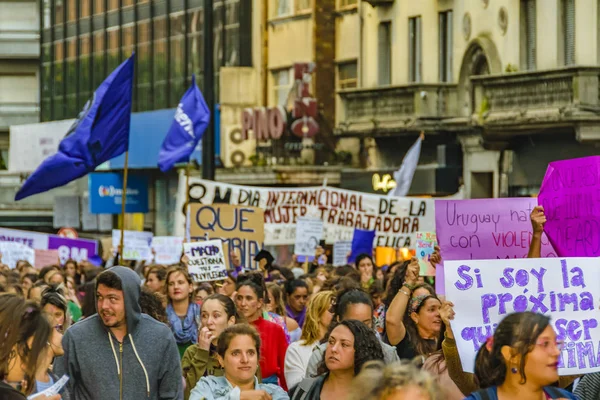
(485, 229)
(485, 291)
(44, 258)
(395, 219)
(426, 242)
(136, 245)
(206, 260)
(341, 250)
(309, 232)
(167, 249)
(570, 194)
(242, 227)
(13, 252)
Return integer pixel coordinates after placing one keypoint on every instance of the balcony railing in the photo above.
(536, 97)
(393, 107)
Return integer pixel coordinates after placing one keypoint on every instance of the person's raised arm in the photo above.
(394, 315)
(538, 220)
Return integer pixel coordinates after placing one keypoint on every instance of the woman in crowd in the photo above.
(73, 301)
(151, 304)
(376, 291)
(55, 305)
(200, 359)
(44, 376)
(72, 269)
(203, 290)
(238, 351)
(155, 279)
(318, 319)
(349, 346)
(25, 332)
(296, 292)
(55, 277)
(227, 286)
(520, 361)
(35, 293)
(27, 282)
(250, 302)
(181, 310)
(396, 381)
(412, 321)
(351, 303)
(277, 306)
(366, 267)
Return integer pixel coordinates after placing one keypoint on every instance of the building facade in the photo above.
(505, 86)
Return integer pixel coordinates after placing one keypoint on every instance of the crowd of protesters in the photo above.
(306, 331)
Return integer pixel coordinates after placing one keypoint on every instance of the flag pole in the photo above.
(187, 193)
(123, 202)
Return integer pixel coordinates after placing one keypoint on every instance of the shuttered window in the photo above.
(385, 53)
(528, 35)
(445, 46)
(567, 32)
(414, 49)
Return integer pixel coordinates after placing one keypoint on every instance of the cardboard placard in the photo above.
(309, 232)
(207, 260)
(426, 242)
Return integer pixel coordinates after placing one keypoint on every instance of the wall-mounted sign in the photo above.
(383, 182)
(266, 123)
(106, 191)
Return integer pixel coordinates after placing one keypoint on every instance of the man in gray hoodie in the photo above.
(120, 353)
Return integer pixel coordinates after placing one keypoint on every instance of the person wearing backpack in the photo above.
(520, 361)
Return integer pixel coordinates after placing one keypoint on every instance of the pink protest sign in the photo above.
(570, 194)
(485, 229)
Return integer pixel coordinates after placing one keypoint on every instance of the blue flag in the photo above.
(100, 132)
(190, 121)
(362, 243)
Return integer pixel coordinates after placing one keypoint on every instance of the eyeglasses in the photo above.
(549, 345)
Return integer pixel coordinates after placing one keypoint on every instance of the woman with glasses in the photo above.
(520, 361)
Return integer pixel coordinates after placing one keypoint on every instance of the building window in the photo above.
(346, 3)
(528, 34)
(385, 53)
(282, 85)
(347, 75)
(414, 49)
(566, 38)
(283, 7)
(445, 44)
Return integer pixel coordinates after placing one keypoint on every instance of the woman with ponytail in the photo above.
(520, 361)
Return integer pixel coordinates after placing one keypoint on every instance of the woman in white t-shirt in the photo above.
(318, 318)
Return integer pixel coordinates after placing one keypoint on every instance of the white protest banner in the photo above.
(136, 245)
(13, 252)
(206, 260)
(567, 290)
(340, 252)
(309, 232)
(34, 240)
(395, 219)
(167, 249)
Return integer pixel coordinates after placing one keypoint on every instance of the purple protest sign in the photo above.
(485, 229)
(77, 249)
(570, 195)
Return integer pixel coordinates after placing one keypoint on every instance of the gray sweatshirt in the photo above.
(148, 356)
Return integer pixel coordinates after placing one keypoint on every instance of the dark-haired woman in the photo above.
(350, 304)
(250, 299)
(238, 351)
(200, 359)
(349, 346)
(412, 321)
(181, 310)
(296, 292)
(25, 333)
(366, 267)
(156, 278)
(55, 305)
(520, 361)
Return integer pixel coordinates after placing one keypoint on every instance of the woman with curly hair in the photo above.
(396, 381)
(350, 344)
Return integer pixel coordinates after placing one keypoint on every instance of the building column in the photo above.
(481, 172)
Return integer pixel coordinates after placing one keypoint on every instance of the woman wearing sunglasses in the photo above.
(520, 361)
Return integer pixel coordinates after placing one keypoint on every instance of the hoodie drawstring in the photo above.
(136, 355)
(142, 364)
(112, 346)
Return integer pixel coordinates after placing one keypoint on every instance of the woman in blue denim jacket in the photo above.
(238, 351)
